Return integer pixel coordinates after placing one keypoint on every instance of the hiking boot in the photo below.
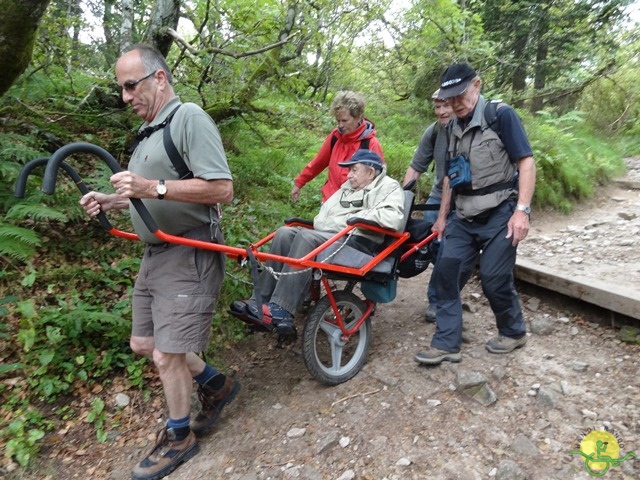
(212, 402)
(282, 319)
(502, 344)
(166, 455)
(430, 315)
(433, 356)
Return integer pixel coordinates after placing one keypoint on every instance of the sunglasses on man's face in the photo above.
(130, 85)
(354, 203)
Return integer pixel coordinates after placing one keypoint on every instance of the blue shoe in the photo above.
(247, 311)
(281, 319)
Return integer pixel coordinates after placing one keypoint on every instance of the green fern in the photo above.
(17, 242)
(38, 213)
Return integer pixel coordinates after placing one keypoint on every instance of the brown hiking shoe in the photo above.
(167, 454)
(433, 356)
(212, 402)
(502, 344)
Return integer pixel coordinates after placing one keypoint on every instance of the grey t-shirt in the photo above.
(197, 139)
(428, 151)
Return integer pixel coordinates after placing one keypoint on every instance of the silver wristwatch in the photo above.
(161, 189)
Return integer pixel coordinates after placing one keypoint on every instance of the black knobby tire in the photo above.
(327, 357)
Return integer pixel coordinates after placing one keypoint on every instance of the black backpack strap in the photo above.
(434, 137)
(172, 151)
(364, 144)
(169, 146)
(491, 188)
(491, 114)
(334, 139)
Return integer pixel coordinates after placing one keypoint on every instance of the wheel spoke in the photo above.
(329, 328)
(336, 355)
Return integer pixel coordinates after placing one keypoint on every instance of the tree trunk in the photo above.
(20, 21)
(540, 69)
(519, 77)
(74, 14)
(126, 27)
(110, 49)
(540, 77)
(165, 13)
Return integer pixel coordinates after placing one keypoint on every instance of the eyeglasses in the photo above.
(130, 85)
(354, 203)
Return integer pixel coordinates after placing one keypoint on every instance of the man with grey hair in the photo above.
(490, 178)
(175, 294)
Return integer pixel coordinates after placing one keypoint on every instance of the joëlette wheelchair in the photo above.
(337, 332)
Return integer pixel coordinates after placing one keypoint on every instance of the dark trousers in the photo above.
(463, 241)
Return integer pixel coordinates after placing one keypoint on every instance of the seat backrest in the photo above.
(408, 206)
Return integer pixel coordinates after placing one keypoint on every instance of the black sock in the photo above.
(217, 382)
(180, 427)
(181, 433)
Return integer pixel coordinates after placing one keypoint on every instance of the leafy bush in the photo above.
(68, 342)
(24, 432)
(571, 161)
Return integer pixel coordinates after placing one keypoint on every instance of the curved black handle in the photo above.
(51, 172)
(21, 182)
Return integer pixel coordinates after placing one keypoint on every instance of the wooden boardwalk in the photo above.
(617, 298)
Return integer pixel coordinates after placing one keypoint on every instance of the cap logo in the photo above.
(451, 82)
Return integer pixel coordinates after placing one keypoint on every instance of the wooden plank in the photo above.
(617, 298)
(630, 184)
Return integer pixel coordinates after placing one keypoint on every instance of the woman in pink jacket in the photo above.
(353, 132)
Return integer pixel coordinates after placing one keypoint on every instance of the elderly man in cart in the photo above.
(368, 194)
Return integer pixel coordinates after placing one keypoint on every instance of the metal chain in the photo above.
(241, 280)
(277, 275)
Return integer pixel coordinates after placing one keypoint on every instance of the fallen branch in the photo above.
(344, 399)
(269, 465)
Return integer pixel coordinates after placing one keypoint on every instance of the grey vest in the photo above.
(490, 164)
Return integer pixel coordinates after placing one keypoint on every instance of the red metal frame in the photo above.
(308, 261)
(305, 262)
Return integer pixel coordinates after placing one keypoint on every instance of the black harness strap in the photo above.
(490, 189)
(172, 151)
(169, 146)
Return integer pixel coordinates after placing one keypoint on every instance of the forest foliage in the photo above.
(266, 72)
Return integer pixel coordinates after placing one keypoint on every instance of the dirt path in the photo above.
(398, 420)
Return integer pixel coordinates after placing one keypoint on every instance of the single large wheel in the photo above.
(328, 356)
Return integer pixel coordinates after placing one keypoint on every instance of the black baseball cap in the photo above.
(455, 80)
